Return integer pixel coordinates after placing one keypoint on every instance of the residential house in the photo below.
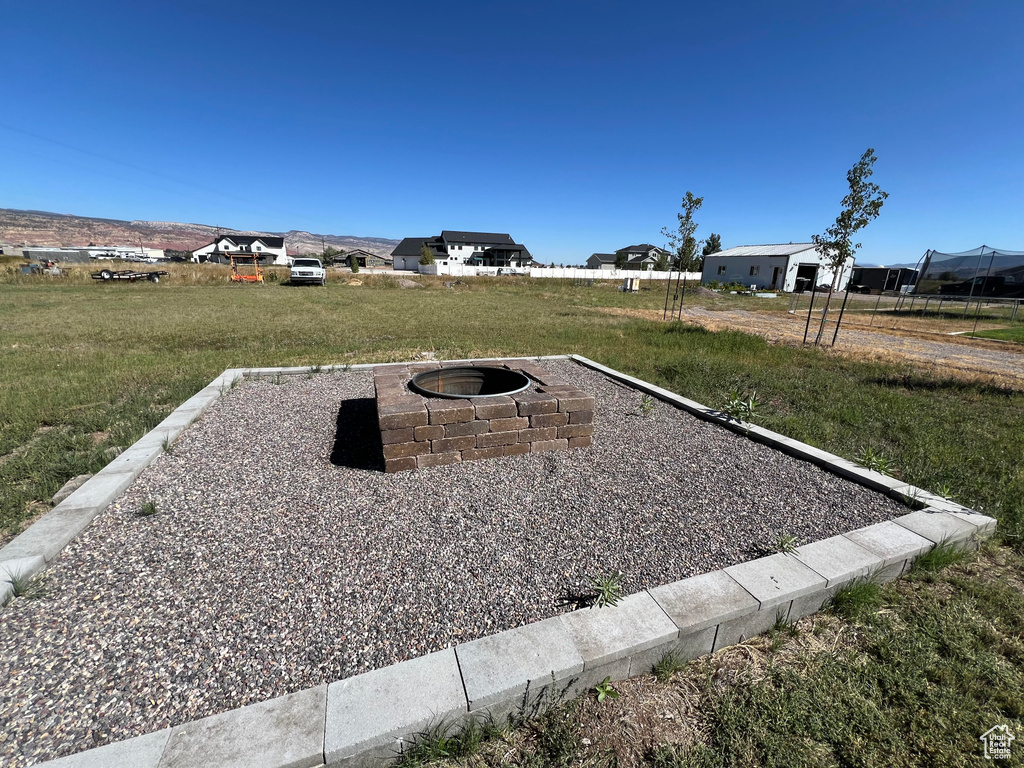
(364, 259)
(456, 248)
(641, 257)
(601, 261)
(407, 253)
(792, 267)
(270, 247)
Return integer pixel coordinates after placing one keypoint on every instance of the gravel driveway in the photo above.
(281, 558)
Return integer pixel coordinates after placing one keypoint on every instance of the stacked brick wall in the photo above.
(418, 431)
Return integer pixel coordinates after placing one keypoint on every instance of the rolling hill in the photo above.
(44, 228)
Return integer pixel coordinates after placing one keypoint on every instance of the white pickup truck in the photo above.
(308, 271)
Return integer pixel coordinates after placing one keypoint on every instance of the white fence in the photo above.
(573, 273)
(561, 273)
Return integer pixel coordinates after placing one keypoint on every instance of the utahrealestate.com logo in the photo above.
(997, 742)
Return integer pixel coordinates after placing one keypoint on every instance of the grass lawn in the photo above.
(1004, 334)
(86, 368)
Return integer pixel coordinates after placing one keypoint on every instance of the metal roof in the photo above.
(764, 250)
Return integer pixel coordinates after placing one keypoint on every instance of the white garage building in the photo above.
(792, 267)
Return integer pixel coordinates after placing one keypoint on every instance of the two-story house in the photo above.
(270, 247)
(453, 247)
(640, 257)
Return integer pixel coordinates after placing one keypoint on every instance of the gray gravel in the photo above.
(269, 569)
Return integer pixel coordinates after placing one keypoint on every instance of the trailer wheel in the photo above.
(154, 278)
(106, 274)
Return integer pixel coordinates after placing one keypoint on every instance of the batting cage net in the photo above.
(982, 271)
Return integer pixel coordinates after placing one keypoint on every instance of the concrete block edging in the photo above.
(499, 674)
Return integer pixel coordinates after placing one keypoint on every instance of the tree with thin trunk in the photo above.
(861, 205)
(620, 260)
(682, 241)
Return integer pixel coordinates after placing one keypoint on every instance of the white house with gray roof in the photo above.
(454, 248)
(270, 247)
(792, 267)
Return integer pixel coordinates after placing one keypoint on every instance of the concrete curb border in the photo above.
(33, 549)
(364, 720)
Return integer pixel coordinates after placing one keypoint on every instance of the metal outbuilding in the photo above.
(781, 267)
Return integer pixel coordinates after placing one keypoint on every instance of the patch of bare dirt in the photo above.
(978, 360)
(649, 714)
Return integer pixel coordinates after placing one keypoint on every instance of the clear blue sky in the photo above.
(574, 126)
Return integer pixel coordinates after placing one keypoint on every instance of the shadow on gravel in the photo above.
(357, 439)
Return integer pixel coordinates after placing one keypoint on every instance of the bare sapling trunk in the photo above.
(836, 279)
(862, 204)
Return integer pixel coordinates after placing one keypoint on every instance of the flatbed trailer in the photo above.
(106, 275)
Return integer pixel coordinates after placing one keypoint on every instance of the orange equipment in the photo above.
(240, 263)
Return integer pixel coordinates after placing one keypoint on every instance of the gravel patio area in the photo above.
(281, 557)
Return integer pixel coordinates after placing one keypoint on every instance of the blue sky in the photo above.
(574, 126)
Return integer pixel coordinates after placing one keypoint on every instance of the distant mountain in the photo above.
(44, 228)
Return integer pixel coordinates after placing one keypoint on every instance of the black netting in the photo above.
(981, 271)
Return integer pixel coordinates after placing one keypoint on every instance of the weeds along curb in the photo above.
(365, 719)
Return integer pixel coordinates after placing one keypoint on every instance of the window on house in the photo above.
(754, 270)
(721, 269)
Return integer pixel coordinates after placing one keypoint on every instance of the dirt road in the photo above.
(970, 359)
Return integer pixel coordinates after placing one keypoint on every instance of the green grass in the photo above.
(856, 599)
(85, 367)
(939, 557)
(148, 509)
(1004, 334)
(667, 667)
(447, 741)
(29, 587)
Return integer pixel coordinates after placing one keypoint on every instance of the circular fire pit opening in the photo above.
(469, 381)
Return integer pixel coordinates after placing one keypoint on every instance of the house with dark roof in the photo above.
(269, 246)
(638, 257)
(407, 253)
(601, 261)
(457, 248)
(779, 267)
(364, 259)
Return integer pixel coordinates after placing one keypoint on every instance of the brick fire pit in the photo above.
(421, 431)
